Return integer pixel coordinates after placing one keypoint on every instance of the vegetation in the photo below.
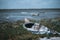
(15, 31)
(53, 24)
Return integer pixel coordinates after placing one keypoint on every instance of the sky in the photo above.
(26, 4)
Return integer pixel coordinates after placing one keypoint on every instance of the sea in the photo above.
(14, 15)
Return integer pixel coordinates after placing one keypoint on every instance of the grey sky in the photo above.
(19, 4)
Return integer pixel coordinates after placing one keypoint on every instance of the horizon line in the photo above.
(33, 8)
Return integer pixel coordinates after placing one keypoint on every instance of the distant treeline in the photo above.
(30, 10)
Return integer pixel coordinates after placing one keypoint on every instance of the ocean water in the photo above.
(20, 15)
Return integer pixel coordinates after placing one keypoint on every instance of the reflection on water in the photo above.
(21, 15)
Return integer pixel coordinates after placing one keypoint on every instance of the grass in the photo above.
(15, 30)
(53, 24)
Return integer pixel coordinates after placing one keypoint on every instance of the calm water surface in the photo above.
(21, 15)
